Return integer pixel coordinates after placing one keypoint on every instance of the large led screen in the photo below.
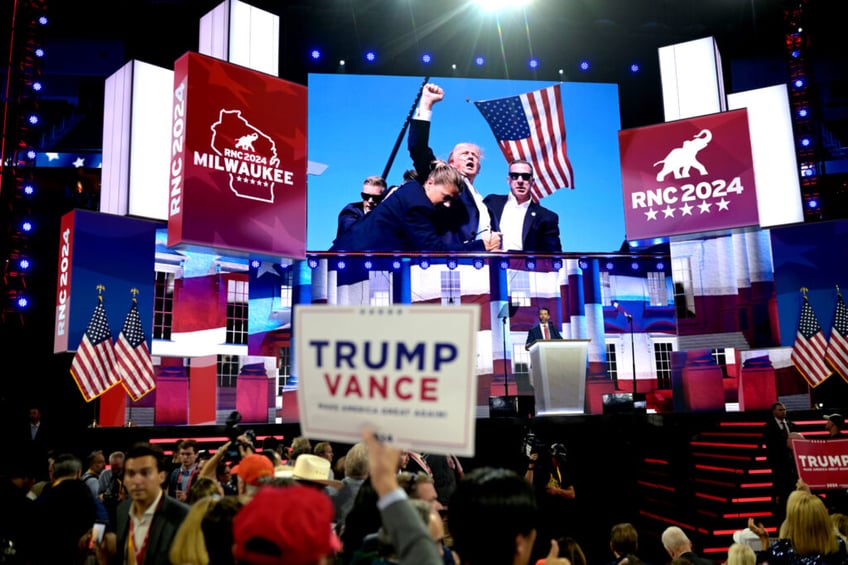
(355, 121)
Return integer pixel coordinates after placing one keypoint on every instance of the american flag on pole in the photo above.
(94, 361)
(809, 349)
(531, 127)
(837, 346)
(133, 362)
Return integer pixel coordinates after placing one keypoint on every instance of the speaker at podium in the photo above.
(558, 371)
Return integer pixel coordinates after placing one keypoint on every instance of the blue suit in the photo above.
(535, 334)
(540, 232)
(349, 215)
(402, 222)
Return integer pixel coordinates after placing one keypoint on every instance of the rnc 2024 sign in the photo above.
(688, 176)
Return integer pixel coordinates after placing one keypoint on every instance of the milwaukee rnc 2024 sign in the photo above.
(238, 159)
(688, 176)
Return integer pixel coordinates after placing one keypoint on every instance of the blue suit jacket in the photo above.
(349, 215)
(535, 334)
(457, 224)
(540, 233)
(402, 222)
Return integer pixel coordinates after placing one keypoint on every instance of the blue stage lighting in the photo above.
(42, 20)
(805, 141)
(312, 262)
(478, 263)
(315, 54)
(802, 113)
(557, 264)
(369, 264)
(39, 52)
(29, 189)
(340, 264)
(22, 302)
(798, 83)
(32, 119)
(426, 58)
(660, 266)
(504, 264)
(396, 264)
(370, 56)
(531, 264)
(584, 65)
(31, 154)
(23, 264)
(254, 263)
(795, 53)
(479, 61)
(452, 263)
(424, 263)
(534, 63)
(37, 86)
(812, 203)
(634, 265)
(26, 226)
(634, 68)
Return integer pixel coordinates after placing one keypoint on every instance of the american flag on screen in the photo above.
(133, 362)
(837, 347)
(531, 127)
(809, 349)
(94, 362)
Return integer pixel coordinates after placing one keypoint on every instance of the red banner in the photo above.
(238, 159)
(688, 176)
(822, 464)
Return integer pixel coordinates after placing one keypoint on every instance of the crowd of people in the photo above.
(374, 504)
(438, 208)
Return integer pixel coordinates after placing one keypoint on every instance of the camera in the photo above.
(233, 432)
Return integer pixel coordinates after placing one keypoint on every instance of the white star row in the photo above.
(686, 209)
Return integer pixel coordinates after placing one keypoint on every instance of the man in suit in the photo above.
(526, 226)
(373, 192)
(776, 436)
(543, 330)
(405, 220)
(148, 521)
(469, 218)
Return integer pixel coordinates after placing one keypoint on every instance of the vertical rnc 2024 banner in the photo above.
(688, 176)
(407, 372)
(238, 160)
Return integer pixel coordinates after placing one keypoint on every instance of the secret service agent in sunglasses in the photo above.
(523, 176)
(375, 197)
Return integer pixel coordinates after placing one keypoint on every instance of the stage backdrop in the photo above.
(354, 122)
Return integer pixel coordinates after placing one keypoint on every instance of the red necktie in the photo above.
(545, 332)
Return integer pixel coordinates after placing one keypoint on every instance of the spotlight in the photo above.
(798, 83)
(31, 154)
(584, 265)
(452, 263)
(795, 53)
(426, 58)
(556, 264)
(341, 62)
(802, 113)
(584, 65)
(504, 264)
(812, 203)
(634, 68)
(561, 73)
(453, 67)
(479, 61)
(29, 189)
(805, 142)
(23, 264)
(610, 266)
(315, 54)
(37, 86)
(340, 264)
(531, 264)
(254, 264)
(26, 226)
(369, 264)
(42, 20)
(534, 63)
(634, 265)
(312, 262)
(22, 302)
(39, 52)
(396, 264)
(478, 263)
(370, 56)
(424, 263)
(660, 266)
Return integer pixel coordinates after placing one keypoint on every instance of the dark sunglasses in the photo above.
(375, 197)
(523, 176)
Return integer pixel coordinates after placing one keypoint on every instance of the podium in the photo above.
(558, 371)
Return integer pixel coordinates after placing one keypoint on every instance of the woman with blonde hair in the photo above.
(740, 554)
(807, 534)
(188, 547)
